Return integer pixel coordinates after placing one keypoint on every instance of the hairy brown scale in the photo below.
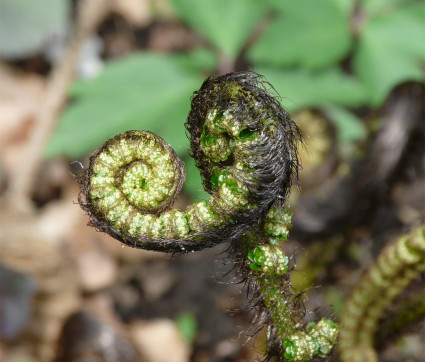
(245, 146)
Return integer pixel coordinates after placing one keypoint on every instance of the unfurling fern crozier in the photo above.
(245, 146)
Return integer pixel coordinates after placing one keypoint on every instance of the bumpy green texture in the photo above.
(245, 146)
(269, 276)
(395, 268)
(324, 334)
(318, 340)
(133, 172)
(268, 259)
(133, 177)
(277, 225)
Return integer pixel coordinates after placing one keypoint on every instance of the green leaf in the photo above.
(349, 127)
(226, 23)
(391, 50)
(25, 24)
(310, 33)
(301, 88)
(201, 60)
(372, 7)
(254, 266)
(193, 184)
(188, 325)
(144, 92)
(346, 6)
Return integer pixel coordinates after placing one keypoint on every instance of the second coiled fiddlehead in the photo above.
(397, 265)
(245, 145)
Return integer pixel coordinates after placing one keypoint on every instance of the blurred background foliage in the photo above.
(25, 24)
(340, 67)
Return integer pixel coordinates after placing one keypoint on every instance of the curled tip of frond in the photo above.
(244, 144)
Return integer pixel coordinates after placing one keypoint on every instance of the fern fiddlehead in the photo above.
(394, 269)
(245, 145)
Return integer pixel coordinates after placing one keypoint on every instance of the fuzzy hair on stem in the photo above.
(246, 148)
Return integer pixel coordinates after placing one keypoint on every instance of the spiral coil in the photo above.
(245, 146)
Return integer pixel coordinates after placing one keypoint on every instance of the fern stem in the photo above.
(245, 146)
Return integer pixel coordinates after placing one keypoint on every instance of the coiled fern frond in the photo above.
(245, 146)
(395, 268)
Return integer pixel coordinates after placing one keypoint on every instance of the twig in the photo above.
(18, 195)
